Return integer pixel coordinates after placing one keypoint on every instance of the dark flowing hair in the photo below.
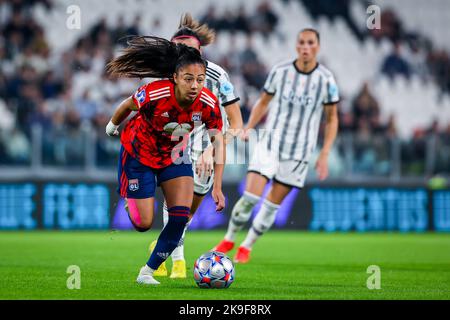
(193, 28)
(152, 57)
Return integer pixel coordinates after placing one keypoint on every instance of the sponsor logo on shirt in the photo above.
(182, 128)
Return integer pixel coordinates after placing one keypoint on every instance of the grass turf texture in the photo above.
(285, 265)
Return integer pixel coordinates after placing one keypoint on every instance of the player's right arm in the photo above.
(133, 103)
(261, 105)
(230, 102)
(258, 112)
(214, 125)
(122, 112)
(234, 116)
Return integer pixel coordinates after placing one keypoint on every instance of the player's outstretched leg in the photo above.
(179, 263)
(239, 216)
(263, 221)
(178, 187)
(167, 242)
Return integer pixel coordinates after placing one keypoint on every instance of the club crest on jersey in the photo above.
(133, 184)
(197, 116)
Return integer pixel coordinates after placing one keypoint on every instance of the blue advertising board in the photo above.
(97, 206)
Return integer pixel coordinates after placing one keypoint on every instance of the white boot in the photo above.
(146, 276)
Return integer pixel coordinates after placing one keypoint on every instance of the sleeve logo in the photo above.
(140, 96)
(333, 90)
(226, 88)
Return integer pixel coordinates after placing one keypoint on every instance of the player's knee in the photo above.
(141, 229)
(141, 222)
(277, 193)
(142, 225)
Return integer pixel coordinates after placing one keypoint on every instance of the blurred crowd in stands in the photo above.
(70, 94)
(263, 20)
(413, 52)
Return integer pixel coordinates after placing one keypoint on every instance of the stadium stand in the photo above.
(54, 92)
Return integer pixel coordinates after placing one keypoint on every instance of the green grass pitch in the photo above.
(285, 265)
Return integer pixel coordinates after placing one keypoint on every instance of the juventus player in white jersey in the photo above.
(197, 35)
(300, 91)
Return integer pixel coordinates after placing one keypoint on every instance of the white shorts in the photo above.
(289, 172)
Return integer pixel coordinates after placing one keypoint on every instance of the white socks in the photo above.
(242, 211)
(263, 221)
(146, 276)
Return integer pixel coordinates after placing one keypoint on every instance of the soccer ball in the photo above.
(214, 270)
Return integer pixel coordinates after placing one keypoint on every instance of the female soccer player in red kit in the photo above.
(155, 140)
(198, 35)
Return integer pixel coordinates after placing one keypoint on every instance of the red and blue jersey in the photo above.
(159, 131)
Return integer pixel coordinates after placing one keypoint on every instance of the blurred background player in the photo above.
(196, 35)
(302, 90)
(151, 149)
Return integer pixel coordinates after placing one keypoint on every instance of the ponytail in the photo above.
(189, 27)
(152, 57)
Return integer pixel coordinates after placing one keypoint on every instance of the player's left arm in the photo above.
(230, 102)
(331, 129)
(214, 125)
(330, 102)
(219, 165)
(236, 123)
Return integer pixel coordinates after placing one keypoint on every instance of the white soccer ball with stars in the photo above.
(214, 270)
